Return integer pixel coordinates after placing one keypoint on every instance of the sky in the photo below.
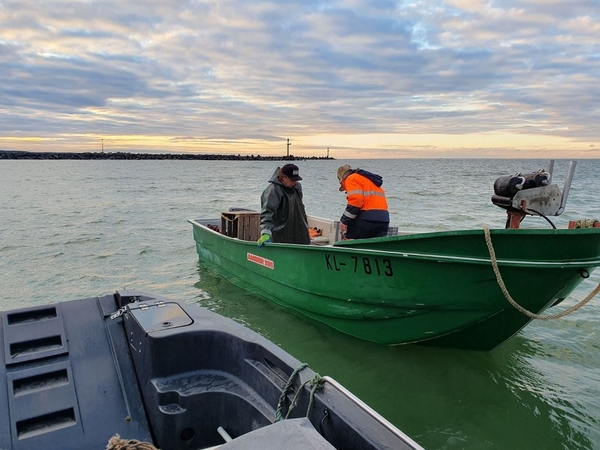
(349, 79)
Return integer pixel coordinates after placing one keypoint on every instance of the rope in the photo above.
(317, 382)
(585, 223)
(288, 386)
(488, 241)
(118, 443)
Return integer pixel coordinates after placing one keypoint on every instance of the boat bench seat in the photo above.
(298, 434)
(191, 386)
(319, 240)
(200, 401)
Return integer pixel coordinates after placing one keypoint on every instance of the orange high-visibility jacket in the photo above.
(365, 197)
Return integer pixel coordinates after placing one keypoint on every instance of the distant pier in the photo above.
(8, 154)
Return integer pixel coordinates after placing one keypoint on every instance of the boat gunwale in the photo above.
(593, 262)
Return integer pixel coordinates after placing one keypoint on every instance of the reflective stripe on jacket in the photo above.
(365, 198)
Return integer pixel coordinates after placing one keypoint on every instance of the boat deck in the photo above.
(65, 369)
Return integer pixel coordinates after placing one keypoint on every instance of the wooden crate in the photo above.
(244, 225)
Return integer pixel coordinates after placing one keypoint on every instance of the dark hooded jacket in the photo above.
(282, 213)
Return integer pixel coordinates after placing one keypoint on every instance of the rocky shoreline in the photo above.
(7, 154)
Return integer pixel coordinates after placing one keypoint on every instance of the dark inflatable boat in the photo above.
(77, 374)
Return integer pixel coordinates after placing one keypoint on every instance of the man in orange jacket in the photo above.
(366, 214)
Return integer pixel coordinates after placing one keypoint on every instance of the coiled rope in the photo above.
(488, 241)
(118, 443)
(586, 223)
(317, 382)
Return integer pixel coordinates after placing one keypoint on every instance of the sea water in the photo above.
(73, 229)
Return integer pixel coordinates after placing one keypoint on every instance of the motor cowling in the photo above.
(508, 186)
(531, 194)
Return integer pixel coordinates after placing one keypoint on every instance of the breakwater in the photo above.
(7, 154)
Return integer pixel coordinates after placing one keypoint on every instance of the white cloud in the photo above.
(258, 72)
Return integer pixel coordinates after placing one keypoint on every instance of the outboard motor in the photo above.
(531, 194)
(509, 185)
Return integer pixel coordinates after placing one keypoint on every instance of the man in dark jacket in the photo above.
(282, 215)
(366, 214)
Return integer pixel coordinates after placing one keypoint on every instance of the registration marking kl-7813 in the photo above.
(364, 264)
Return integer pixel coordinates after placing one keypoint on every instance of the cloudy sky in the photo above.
(387, 79)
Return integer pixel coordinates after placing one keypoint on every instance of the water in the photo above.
(71, 229)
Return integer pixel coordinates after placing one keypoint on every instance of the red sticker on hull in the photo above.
(261, 261)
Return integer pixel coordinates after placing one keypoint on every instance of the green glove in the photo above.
(263, 238)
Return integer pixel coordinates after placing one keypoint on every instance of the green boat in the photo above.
(470, 289)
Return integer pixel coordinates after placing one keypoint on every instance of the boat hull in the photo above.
(435, 288)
